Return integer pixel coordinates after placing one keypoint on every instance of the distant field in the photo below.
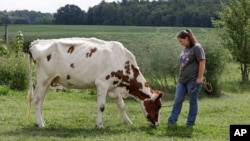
(56, 31)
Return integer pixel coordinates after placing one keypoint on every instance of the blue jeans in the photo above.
(193, 91)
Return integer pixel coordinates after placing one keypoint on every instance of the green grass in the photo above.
(71, 116)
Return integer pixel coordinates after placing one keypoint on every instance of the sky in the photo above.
(47, 6)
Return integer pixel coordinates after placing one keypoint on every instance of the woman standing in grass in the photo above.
(192, 66)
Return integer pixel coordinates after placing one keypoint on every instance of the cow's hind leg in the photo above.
(38, 99)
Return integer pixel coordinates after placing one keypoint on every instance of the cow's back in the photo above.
(79, 62)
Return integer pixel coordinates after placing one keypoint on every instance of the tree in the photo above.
(70, 14)
(4, 17)
(234, 27)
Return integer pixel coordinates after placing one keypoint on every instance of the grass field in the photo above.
(113, 32)
(71, 116)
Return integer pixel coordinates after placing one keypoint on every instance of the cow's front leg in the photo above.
(101, 100)
(121, 106)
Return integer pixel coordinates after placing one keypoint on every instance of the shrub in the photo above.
(14, 73)
(13, 68)
(4, 90)
(3, 49)
(216, 59)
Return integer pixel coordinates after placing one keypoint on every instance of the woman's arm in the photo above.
(202, 64)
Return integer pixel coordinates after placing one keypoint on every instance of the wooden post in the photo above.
(6, 34)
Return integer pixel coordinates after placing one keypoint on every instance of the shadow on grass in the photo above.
(84, 132)
(179, 131)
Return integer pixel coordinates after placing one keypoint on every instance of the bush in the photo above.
(216, 59)
(3, 49)
(14, 73)
(13, 66)
(4, 90)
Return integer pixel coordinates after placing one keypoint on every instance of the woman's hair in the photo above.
(189, 34)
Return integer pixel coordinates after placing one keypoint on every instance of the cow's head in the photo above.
(135, 84)
(152, 106)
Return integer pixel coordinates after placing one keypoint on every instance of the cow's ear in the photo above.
(158, 96)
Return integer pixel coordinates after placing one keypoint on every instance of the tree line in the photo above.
(191, 13)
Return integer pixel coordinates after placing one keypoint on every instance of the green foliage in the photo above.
(25, 17)
(155, 13)
(216, 59)
(234, 30)
(14, 73)
(3, 49)
(70, 15)
(4, 90)
(13, 70)
(191, 13)
(18, 44)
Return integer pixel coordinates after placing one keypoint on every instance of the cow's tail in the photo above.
(30, 93)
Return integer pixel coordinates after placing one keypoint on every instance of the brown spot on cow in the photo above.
(127, 67)
(68, 77)
(49, 57)
(71, 49)
(115, 82)
(135, 71)
(119, 74)
(107, 77)
(146, 84)
(92, 50)
(72, 65)
(135, 87)
(102, 108)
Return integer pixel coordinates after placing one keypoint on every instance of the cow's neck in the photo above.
(138, 87)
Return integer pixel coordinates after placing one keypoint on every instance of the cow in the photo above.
(90, 63)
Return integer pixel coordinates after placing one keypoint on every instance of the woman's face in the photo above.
(184, 41)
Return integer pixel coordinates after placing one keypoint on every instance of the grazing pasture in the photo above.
(70, 114)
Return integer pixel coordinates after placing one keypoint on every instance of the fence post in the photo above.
(6, 34)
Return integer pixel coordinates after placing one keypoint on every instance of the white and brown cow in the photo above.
(90, 63)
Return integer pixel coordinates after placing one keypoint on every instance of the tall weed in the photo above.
(13, 68)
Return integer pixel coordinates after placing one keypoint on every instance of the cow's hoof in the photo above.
(128, 122)
(99, 126)
(154, 125)
(40, 126)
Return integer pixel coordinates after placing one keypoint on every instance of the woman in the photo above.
(192, 66)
